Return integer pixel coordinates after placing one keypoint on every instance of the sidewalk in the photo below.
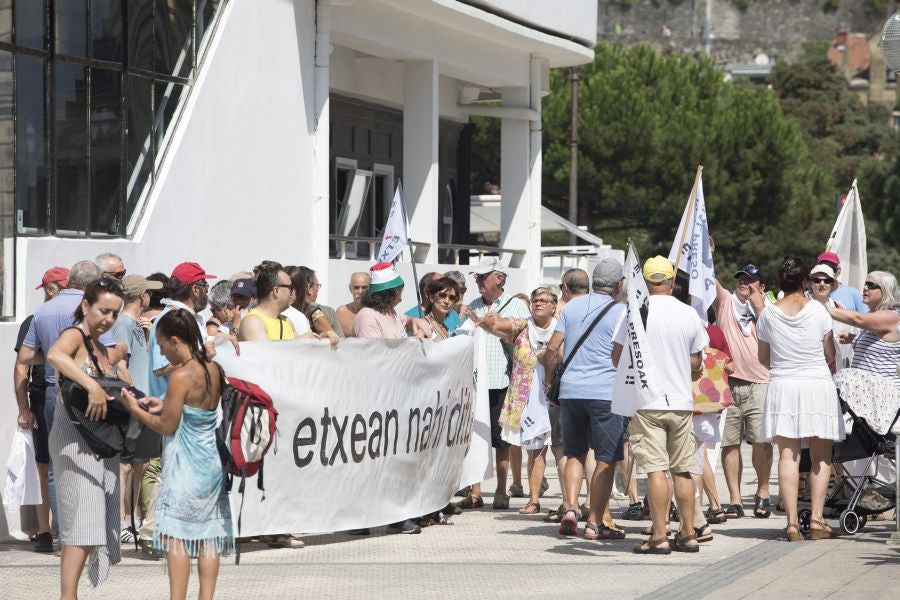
(501, 554)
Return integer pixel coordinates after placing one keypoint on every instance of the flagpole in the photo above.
(412, 255)
(690, 208)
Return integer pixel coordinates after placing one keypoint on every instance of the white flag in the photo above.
(396, 231)
(636, 376)
(696, 256)
(848, 241)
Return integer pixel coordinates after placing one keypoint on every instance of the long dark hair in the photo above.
(181, 323)
(301, 284)
(94, 290)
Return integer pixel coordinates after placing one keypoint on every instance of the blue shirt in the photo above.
(50, 320)
(129, 331)
(850, 297)
(591, 374)
(451, 322)
(157, 384)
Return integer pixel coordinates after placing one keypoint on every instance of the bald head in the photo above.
(359, 283)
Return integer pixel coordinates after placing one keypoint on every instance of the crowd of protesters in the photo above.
(760, 371)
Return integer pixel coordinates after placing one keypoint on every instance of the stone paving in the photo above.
(501, 554)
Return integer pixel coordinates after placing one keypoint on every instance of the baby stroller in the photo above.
(857, 497)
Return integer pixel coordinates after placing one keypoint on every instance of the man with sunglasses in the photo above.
(847, 295)
(111, 266)
(736, 316)
(265, 321)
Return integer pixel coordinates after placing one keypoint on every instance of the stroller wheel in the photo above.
(850, 522)
(804, 516)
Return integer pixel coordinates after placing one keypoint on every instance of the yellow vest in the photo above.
(276, 329)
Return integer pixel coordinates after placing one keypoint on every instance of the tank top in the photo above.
(276, 329)
(871, 353)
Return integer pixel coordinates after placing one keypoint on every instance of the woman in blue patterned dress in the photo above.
(192, 514)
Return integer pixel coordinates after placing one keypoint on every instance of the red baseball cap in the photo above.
(190, 272)
(829, 257)
(58, 275)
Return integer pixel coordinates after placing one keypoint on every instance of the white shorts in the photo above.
(706, 432)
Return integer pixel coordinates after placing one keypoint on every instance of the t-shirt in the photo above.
(850, 297)
(717, 339)
(369, 323)
(36, 383)
(297, 319)
(451, 321)
(127, 330)
(796, 342)
(591, 374)
(674, 332)
(743, 347)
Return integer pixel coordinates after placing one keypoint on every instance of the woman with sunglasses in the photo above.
(87, 487)
(441, 295)
(524, 417)
(823, 281)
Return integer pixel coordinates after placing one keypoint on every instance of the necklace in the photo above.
(438, 327)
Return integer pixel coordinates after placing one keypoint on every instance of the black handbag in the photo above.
(105, 437)
(556, 380)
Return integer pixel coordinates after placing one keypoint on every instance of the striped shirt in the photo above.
(496, 358)
(871, 353)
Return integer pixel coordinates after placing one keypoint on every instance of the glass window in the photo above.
(139, 140)
(140, 34)
(206, 10)
(70, 21)
(167, 97)
(7, 155)
(106, 150)
(6, 21)
(30, 24)
(31, 148)
(173, 37)
(106, 30)
(70, 113)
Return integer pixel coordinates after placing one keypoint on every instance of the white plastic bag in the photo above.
(22, 483)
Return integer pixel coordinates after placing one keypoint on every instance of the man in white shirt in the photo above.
(661, 432)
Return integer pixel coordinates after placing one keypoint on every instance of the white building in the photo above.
(229, 131)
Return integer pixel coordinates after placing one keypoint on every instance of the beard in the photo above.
(202, 302)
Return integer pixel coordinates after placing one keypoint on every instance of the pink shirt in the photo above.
(370, 323)
(743, 347)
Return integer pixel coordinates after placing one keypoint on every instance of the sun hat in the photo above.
(384, 277)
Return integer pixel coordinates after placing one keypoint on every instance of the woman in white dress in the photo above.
(801, 407)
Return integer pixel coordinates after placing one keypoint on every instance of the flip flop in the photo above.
(648, 548)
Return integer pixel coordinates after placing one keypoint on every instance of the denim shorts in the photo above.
(590, 424)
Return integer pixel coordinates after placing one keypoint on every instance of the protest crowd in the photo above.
(750, 367)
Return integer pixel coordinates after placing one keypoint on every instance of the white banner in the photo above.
(369, 433)
(696, 255)
(636, 375)
(848, 241)
(396, 230)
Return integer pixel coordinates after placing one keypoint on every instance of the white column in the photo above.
(420, 154)
(317, 223)
(520, 177)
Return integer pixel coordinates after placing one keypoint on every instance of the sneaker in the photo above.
(43, 542)
(544, 487)
(127, 534)
(634, 512)
(408, 527)
(516, 491)
(148, 551)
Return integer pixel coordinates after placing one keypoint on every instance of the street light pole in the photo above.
(573, 157)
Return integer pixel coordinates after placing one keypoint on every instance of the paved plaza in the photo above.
(501, 554)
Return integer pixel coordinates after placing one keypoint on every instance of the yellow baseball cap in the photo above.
(658, 269)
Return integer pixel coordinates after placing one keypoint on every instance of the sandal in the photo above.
(634, 512)
(554, 516)
(674, 515)
(532, 508)
(678, 544)
(796, 535)
(568, 525)
(733, 511)
(471, 501)
(716, 516)
(703, 537)
(649, 547)
(585, 512)
(762, 507)
(822, 532)
(501, 502)
(649, 531)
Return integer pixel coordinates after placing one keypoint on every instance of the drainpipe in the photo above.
(534, 260)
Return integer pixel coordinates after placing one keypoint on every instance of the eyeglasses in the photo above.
(289, 286)
(871, 285)
(106, 282)
(821, 280)
(115, 274)
(541, 301)
(217, 308)
(447, 296)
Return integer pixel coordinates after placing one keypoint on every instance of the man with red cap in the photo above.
(847, 295)
(54, 280)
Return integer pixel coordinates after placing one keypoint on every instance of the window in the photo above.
(362, 201)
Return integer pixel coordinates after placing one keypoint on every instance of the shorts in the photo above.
(745, 415)
(556, 431)
(706, 436)
(662, 440)
(590, 424)
(41, 433)
(495, 401)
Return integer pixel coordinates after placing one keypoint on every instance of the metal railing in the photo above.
(346, 248)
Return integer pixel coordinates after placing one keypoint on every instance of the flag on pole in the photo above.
(848, 241)
(396, 231)
(636, 376)
(691, 251)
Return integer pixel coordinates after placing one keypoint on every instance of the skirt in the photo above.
(802, 408)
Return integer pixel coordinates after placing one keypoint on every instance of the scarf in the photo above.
(743, 313)
(539, 337)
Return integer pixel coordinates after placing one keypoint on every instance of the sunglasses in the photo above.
(446, 296)
(106, 282)
(871, 285)
(289, 286)
(820, 280)
(115, 274)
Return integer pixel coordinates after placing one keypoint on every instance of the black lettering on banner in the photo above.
(326, 421)
(339, 445)
(375, 448)
(388, 416)
(438, 427)
(453, 412)
(413, 412)
(358, 435)
(427, 418)
(301, 441)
